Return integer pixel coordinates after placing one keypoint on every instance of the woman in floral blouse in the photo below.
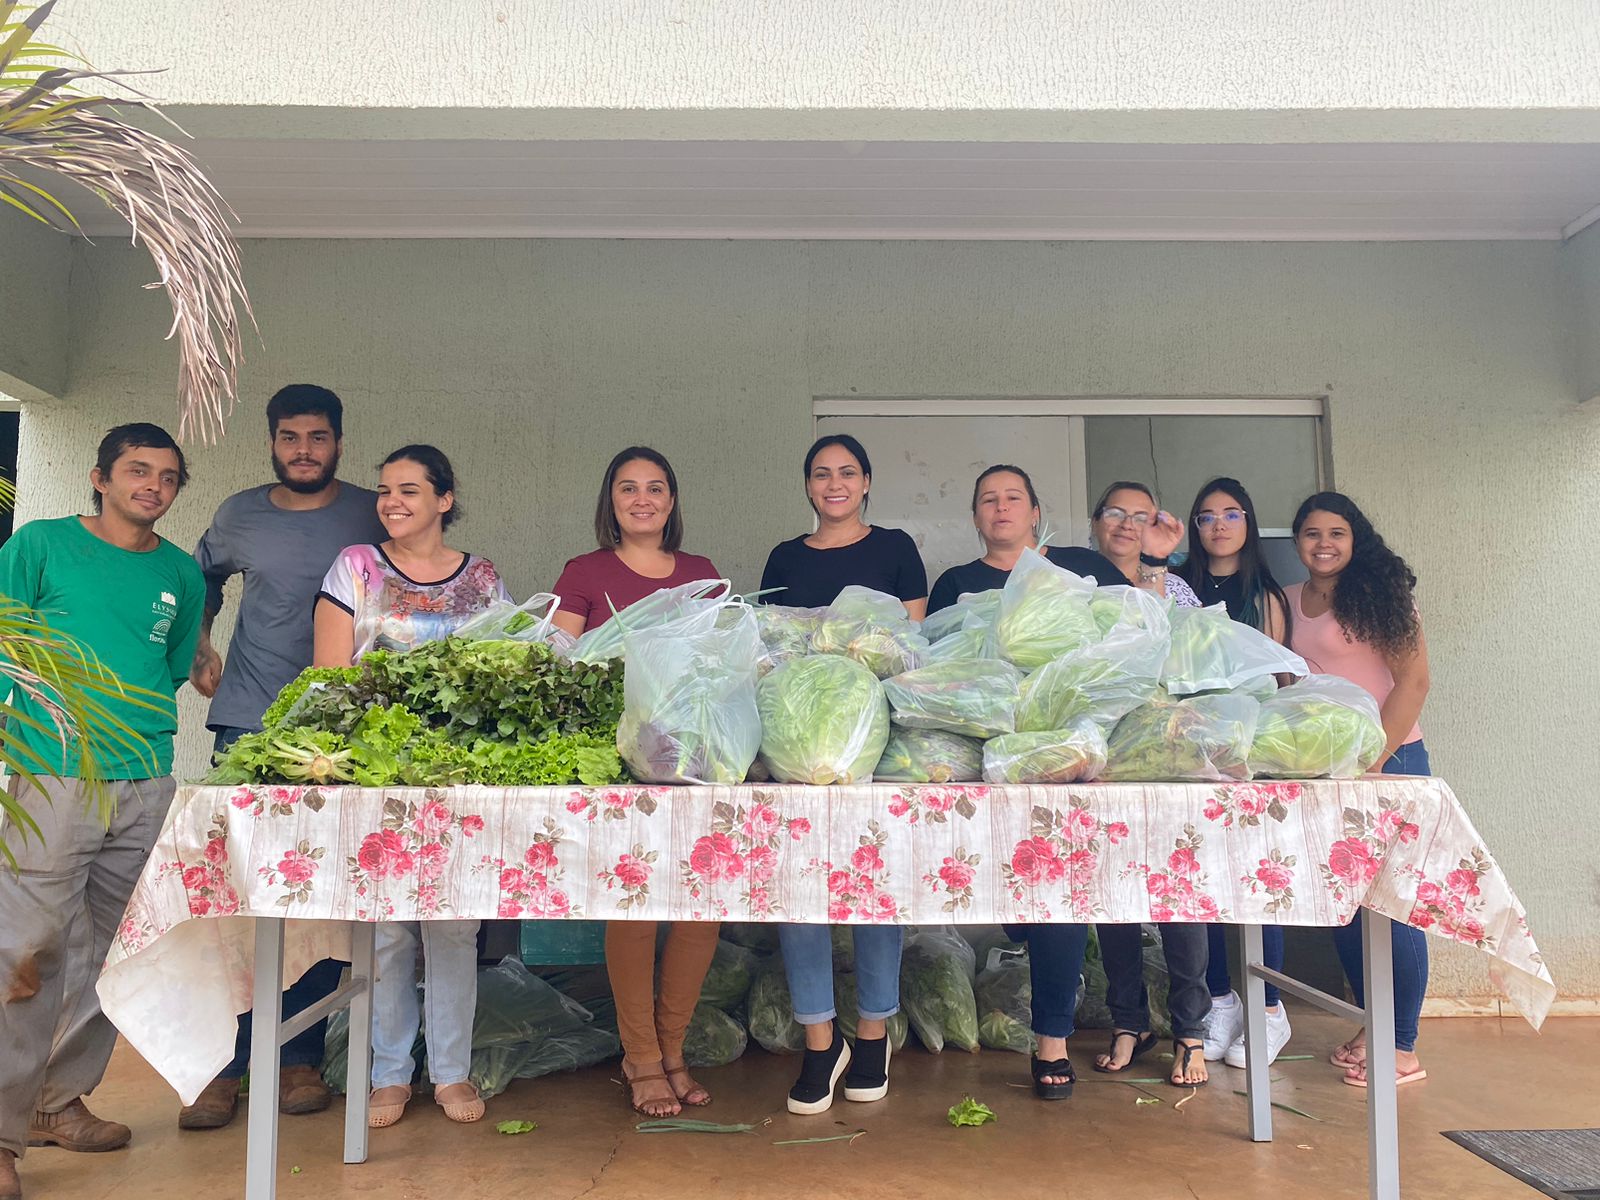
(413, 589)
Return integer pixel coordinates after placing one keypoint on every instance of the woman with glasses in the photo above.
(1005, 511)
(1138, 537)
(1226, 566)
(1130, 529)
(810, 571)
(1356, 617)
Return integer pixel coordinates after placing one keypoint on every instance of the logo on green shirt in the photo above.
(165, 610)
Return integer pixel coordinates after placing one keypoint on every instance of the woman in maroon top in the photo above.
(639, 525)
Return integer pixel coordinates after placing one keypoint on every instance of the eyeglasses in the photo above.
(1117, 516)
(1231, 515)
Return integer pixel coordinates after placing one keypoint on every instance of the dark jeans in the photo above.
(1217, 979)
(1410, 946)
(1188, 997)
(305, 1049)
(1055, 961)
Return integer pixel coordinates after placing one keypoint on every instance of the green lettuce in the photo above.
(1043, 613)
(1073, 754)
(929, 756)
(975, 697)
(823, 720)
(1201, 738)
(1320, 728)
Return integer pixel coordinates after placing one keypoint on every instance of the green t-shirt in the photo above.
(138, 612)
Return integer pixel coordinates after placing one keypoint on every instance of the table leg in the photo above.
(261, 1141)
(358, 1077)
(1257, 1073)
(1383, 1134)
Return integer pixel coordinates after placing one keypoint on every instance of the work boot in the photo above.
(301, 1091)
(213, 1108)
(10, 1183)
(76, 1128)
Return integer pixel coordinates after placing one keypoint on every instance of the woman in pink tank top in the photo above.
(1356, 617)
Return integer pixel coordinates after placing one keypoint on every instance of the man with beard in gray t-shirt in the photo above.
(282, 538)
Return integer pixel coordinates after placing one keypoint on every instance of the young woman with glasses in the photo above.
(1356, 617)
(1226, 566)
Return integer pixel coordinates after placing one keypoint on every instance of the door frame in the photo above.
(1075, 408)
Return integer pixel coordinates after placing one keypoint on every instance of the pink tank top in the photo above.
(1328, 650)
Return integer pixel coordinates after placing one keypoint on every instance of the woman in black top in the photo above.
(1226, 566)
(1005, 510)
(812, 571)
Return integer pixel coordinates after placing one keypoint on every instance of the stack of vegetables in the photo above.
(502, 712)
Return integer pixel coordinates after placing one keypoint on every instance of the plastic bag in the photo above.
(494, 1067)
(604, 642)
(1212, 652)
(1323, 727)
(985, 939)
(728, 980)
(848, 1004)
(785, 633)
(1071, 755)
(929, 756)
(972, 610)
(823, 720)
(515, 1005)
(1202, 738)
(1043, 613)
(1005, 1006)
(963, 645)
(1106, 680)
(872, 628)
(689, 697)
(531, 621)
(713, 1039)
(772, 1022)
(977, 698)
(936, 972)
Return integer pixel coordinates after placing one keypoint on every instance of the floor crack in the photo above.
(594, 1181)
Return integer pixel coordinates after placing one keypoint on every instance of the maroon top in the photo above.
(589, 581)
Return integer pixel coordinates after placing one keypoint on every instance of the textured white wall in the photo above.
(34, 261)
(647, 59)
(1453, 421)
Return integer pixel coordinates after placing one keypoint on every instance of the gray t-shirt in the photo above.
(283, 555)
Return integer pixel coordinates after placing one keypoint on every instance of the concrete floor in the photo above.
(1483, 1074)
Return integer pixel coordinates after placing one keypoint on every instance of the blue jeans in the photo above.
(1217, 978)
(1055, 963)
(808, 963)
(449, 993)
(305, 1049)
(1183, 945)
(1410, 946)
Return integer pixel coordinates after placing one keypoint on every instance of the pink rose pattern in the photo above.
(1273, 875)
(205, 883)
(276, 800)
(294, 872)
(860, 888)
(530, 887)
(412, 844)
(631, 873)
(1455, 906)
(1246, 803)
(1177, 888)
(1355, 859)
(933, 805)
(741, 849)
(954, 877)
(614, 803)
(1061, 855)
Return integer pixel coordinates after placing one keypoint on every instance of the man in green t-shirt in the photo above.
(134, 601)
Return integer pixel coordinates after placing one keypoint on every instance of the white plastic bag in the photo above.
(976, 697)
(1323, 727)
(604, 642)
(1202, 738)
(689, 697)
(972, 610)
(1212, 652)
(1043, 613)
(1074, 754)
(530, 621)
(871, 627)
(785, 633)
(823, 720)
(1107, 679)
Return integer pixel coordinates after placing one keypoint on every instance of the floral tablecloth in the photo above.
(1269, 853)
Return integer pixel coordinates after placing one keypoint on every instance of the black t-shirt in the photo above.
(1224, 589)
(886, 560)
(979, 576)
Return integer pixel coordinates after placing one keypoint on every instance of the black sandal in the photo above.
(1143, 1043)
(1181, 1055)
(1055, 1068)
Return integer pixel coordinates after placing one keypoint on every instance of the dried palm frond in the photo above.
(48, 124)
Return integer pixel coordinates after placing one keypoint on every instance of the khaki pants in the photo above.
(653, 1014)
(58, 914)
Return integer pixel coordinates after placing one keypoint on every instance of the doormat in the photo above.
(1562, 1163)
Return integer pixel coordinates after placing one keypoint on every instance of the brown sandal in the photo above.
(638, 1106)
(698, 1089)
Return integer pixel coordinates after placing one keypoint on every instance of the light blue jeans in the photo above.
(449, 994)
(808, 963)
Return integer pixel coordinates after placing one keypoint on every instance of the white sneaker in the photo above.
(1224, 1023)
(1277, 1038)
